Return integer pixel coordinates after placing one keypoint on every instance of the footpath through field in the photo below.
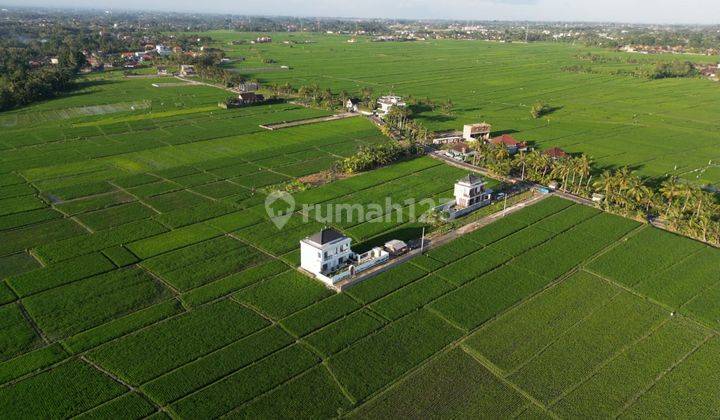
(436, 154)
(278, 126)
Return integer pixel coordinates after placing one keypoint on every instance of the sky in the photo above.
(630, 11)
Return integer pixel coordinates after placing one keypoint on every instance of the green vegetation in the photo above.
(453, 385)
(83, 388)
(177, 341)
(379, 359)
(135, 243)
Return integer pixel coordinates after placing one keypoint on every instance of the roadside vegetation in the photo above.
(681, 206)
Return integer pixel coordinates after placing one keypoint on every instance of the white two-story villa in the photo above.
(327, 255)
(324, 251)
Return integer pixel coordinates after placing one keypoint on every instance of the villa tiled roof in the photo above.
(470, 179)
(326, 236)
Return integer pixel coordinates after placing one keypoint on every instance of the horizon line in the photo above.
(106, 10)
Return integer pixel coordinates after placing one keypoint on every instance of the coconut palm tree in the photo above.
(482, 151)
(560, 171)
(521, 161)
(670, 190)
(583, 165)
(685, 192)
(500, 154)
(535, 164)
(606, 184)
(545, 165)
(624, 177)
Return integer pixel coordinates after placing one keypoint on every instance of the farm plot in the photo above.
(201, 263)
(632, 371)
(379, 359)
(138, 244)
(621, 322)
(659, 250)
(687, 390)
(67, 390)
(454, 385)
(176, 341)
(250, 382)
(598, 111)
(87, 303)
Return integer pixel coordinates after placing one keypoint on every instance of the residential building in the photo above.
(469, 191)
(555, 153)
(324, 251)
(248, 87)
(387, 102)
(162, 50)
(480, 131)
(396, 247)
(187, 70)
(513, 146)
(327, 255)
(460, 151)
(250, 98)
(352, 105)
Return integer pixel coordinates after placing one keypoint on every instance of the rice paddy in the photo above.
(657, 127)
(141, 276)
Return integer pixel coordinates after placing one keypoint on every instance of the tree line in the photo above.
(371, 157)
(682, 207)
(27, 76)
(22, 84)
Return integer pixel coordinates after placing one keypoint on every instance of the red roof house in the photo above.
(555, 153)
(509, 142)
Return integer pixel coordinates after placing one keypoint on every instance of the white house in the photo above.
(387, 102)
(162, 50)
(480, 131)
(327, 255)
(324, 251)
(470, 190)
(352, 105)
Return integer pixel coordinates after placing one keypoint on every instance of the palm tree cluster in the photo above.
(400, 124)
(370, 157)
(682, 207)
(689, 210)
(570, 173)
(280, 90)
(325, 98)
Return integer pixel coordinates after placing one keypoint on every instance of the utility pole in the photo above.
(422, 241)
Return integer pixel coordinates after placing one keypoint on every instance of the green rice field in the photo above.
(657, 127)
(141, 276)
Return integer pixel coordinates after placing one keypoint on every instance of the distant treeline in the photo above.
(21, 84)
(26, 74)
(673, 70)
(662, 70)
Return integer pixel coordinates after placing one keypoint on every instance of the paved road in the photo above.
(439, 241)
